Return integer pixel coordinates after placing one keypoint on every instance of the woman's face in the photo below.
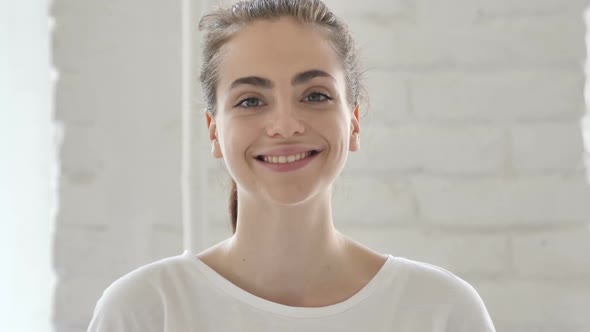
(281, 85)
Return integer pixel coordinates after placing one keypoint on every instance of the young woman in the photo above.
(282, 87)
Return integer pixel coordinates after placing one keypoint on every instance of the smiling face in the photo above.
(281, 84)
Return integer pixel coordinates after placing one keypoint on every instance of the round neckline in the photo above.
(384, 273)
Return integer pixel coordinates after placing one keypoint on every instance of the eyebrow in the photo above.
(300, 78)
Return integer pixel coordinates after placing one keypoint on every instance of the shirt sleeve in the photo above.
(127, 305)
(469, 313)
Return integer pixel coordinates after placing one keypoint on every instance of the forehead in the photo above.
(277, 50)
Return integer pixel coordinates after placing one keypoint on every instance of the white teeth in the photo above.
(286, 159)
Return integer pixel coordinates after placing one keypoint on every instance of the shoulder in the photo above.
(145, 279)
(435, 285)
(432, 278)
(135, 300)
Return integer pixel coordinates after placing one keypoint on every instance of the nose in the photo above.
(285, 122)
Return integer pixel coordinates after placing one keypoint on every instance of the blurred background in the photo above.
(472, 151)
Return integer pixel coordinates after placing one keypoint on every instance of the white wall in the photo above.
(585, 123)
(475, 120)
(28, 168)
(119, 98)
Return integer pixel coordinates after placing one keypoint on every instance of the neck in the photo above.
(285, 249)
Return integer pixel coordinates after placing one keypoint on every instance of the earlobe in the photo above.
(212, 127)
(355, 143)
(216, 149)
(354, 131)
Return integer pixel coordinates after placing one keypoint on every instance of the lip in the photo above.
(287, 150)
(289, 167)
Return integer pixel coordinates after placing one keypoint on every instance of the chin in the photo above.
(291, 197)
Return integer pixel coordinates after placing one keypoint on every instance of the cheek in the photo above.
(344, 133)
(238, 137)
(339, 128)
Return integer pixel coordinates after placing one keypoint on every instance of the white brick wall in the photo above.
(471, 150)
(118, 96)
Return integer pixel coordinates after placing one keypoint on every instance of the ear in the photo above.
(355, 142)
(212, 127)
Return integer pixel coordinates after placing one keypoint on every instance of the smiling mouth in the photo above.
(311, 154)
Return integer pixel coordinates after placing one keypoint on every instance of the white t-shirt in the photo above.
(181, 294)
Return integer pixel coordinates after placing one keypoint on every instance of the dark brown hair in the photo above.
(221, 24)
